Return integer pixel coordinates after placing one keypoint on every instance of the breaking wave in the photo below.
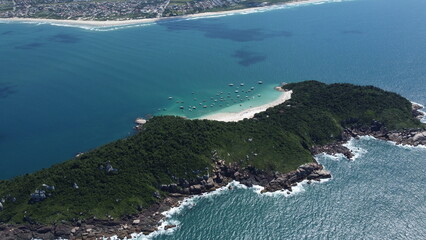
(177, 19)
(190, 202)
(356, 151)
(299, 188)
(423, 120)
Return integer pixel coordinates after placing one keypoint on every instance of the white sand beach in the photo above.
(83, 23)
(113, 23)
(248, 113)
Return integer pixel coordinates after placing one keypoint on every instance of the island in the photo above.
(123, 187)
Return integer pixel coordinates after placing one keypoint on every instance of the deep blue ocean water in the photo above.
(380, 195)
(65, 90)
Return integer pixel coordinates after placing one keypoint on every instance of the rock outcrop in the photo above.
(224, 173)
(412, 137)
(147, 220)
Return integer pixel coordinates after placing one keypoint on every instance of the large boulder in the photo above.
(172, 188)
(420, 136)
(209, 184)
(218, 178)
(62, 231)
(309, 167)
(323, 173)
(38, 196)
(196, 189)
(44, 229)
(110, 170)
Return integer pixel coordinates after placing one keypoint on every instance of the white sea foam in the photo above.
(363, 151)
(299, 188)
(89, 27)
(187, 203)
(421, 105)
(334, 157)
(423, 120)
(356, 151)
(190, 202)
(394, 143)
(406, 146)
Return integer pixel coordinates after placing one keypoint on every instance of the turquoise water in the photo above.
(66, 90)
(380, 195)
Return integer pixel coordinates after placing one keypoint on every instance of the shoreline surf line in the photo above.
(117, 23)
(247, 113)
(192, 201)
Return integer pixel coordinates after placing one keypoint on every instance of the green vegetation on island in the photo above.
(122, 177)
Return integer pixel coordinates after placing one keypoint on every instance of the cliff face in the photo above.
(121, 187)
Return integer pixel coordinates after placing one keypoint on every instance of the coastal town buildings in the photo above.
(115, 9)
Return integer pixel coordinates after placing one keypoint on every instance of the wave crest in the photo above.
(125, 25)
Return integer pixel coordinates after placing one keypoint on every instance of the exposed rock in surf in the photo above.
(416, 111)
(169, 226)
(420, 137)
(411, 137)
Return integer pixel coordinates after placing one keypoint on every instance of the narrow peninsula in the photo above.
(123, 187)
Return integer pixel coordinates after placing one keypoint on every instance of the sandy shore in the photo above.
(248, 113)
(94, 23)
(83, 23)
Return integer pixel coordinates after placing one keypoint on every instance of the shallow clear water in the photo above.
(380, 195)
(65, 90)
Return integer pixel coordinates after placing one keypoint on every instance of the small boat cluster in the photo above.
(239, 94)
(236, 94)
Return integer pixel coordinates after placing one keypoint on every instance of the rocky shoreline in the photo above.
(148, 220)
(410, 137)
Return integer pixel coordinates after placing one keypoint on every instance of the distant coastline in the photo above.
(116, 23)
(248, 113)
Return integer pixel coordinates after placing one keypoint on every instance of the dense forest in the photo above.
(121, 177)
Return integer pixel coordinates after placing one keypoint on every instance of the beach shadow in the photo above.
(7, 89)
(247, 58)
(64, 38)
(212, 29)
(29, 46)
(345, 32)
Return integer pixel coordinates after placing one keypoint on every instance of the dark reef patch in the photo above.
(29, 46)
(64, 38)
(245, 35)
(7, 89)
(212, 29)
(7, 33)
(247, 58)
